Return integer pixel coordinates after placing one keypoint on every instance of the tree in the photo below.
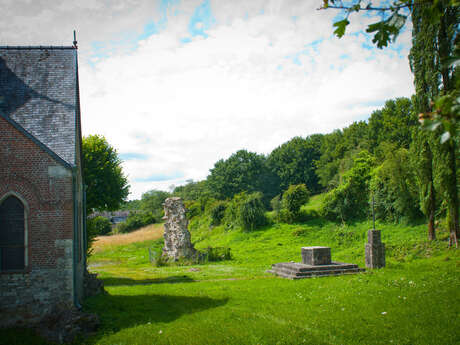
(107, 186)
(193, 190)
(435, 27)
(152, 201)
(338, 150)
(349, 201)
(432, 44)
(393, 123)
(294, 162)
(243, 171)
(394, 188)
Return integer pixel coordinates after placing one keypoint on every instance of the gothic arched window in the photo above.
(12, 234)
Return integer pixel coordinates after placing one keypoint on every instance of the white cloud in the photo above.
(268, 71)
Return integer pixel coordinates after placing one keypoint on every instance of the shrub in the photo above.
(252, 212)
(193, 209)
(246, 211)
(216, 254)
(349, 201)
(135, 221)
(95, 227)
(294, 197)
(98, 226)
(393, 184)
(217, 212)
(275, 203)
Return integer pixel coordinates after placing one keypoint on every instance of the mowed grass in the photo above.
(413, 300)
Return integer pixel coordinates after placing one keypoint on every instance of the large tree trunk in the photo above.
(453, 197)
(431, 195)
(448, 20)
(431, 217)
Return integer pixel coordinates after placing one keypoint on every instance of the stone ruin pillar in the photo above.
(177, 237)
(375, 250)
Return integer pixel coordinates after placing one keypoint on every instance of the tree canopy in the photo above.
(294, 162)
(242, 171)
(107, 186)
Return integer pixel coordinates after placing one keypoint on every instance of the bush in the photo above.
(252, 212)
(216, 254)
(193, 209)
(393, 185)
(98, 226)
(349, 201)
(217, 213)
(135, 221)
(246, 211)
(275, 203)
(294, 197)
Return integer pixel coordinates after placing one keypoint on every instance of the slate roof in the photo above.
(39, 91)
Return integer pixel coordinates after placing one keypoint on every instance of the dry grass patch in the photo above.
(150, 232)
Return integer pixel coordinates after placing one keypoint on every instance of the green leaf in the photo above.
(341, 26)
(382, 33)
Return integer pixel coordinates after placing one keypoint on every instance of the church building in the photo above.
(42, 201)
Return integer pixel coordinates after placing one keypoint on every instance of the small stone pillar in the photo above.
(177, 237)
(375, 250)
(316, 256)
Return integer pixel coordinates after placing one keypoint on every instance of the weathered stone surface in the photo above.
(375, 250)
(297, 270)
(316, 255)
(64, 324)
(177, 237)
(316, 262)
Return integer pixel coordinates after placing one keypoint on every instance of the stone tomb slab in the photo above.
(316, 255)
(297, 270)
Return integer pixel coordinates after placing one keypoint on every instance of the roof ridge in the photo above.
(37, 47)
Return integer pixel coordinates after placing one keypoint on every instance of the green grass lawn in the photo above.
(414, 300)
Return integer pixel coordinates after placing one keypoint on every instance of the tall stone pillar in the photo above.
(177, 237)
(375, 250)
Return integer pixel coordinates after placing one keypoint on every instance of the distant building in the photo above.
(42, 237)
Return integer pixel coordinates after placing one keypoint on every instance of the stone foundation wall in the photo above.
(27, 297)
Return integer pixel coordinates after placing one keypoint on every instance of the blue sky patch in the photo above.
(149, 29)
(129, 156)
(160, 177)
(201, 20)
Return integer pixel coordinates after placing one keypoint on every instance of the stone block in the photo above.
(316, 255)
(375, 250)
(374, 237)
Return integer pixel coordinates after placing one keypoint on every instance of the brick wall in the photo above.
(46, 187)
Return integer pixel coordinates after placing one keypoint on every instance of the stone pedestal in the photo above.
(375, 250)
(316, 262)
(316, 255)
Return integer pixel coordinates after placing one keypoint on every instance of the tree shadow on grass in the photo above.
(128, 281)
(117, 312)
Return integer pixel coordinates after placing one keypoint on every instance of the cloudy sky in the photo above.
(175, 85)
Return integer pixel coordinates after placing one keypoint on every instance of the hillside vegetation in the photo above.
(388, 161)
(413, 300)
